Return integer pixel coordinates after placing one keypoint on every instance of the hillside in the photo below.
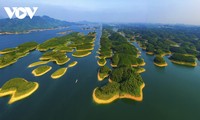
(26, 25)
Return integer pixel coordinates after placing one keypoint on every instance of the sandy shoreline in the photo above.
(100, 101)
(38, 63)
(141, 71)
(99, 78)
(184, 63)
(62, 63)
(35, 74)
(118, 96)
(72, 65)
(101, 64)
(113, 65)
(58, 76)
(82, 55)
(160, 65)
(149, 53)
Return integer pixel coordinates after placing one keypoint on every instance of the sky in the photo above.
(114, 11)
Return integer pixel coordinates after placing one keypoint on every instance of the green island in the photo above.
(41, 70)
(159, 61)
(124, 79)
(11, 55)
(103, 72)
(38, 63)
(124, 83)
(72, 64)
(18, 89)
(59, 57)
(101, 62)
(183, 59)
(161, 41)
(140, 70)
(81, 53)
(59, 73)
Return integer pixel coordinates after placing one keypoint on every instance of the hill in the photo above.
(9, 26)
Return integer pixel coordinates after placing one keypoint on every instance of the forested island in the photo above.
(182, 59)
(18, 88)
(164, 40)
(59, 73)
(41, 70)
(159, 61)
(124, 78)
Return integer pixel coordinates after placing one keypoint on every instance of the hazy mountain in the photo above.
(27, 24)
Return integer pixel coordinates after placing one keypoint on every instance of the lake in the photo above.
(171, 93)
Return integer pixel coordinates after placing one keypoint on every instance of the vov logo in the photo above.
(20, 12)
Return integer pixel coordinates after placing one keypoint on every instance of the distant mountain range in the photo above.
(9, 26)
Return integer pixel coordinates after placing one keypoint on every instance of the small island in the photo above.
(140, 70)
(103, 72)
(72, 64)
(39, 71)
(38, 63)
(59, 73)
(182, 59)
(101, 62)
(159, 61)
(18, 89)
(81, 53)
(59, 57)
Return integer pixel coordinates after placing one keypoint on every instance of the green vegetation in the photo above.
(159, 61)
(103, 72)
(72, 64)
(108, 91)
(140, 70)
(39, 71)
(18, 88)
(102, 62)
(38, 63)
(183, 59)
(124, 82)
(83, 44)
(8, 50)
(166, 39)
(59, 57)
(59, 73)
(63, 49)
(84, 47)
(105, 49)
(11, 55)
(81, 53)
